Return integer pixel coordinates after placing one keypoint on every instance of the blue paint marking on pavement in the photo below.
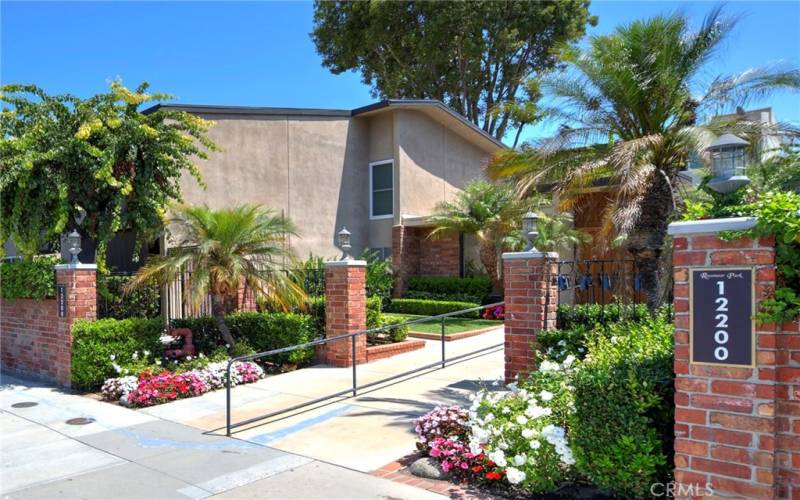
(299, 426)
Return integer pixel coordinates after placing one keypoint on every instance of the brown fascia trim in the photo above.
(268, 111)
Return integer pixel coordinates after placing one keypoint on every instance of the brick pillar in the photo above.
(736, 427)
(531, 299)
(80, 286)
(405, 256)
(345, 310)
(246, 299)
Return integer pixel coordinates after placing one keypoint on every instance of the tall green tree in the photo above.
(490, 212)
(97, 165)
(630, 107)
(225, 249)
(475, 56)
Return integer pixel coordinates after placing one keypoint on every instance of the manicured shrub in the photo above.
(399, 333)
(457, 297)
(450, 286)
(100, 348)
(113, 302)
(28, 279)
(431, 307)
(588, 315)
(261, 331)
(622, 426)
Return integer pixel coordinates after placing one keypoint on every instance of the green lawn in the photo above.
(451, 325)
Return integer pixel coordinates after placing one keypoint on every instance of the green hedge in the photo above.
(28, 279)
(431, 307)
(112, 302)
(621, 431)
(588, 315)
(455, 297)
(261, 331)
(95, 342)
(451, 286)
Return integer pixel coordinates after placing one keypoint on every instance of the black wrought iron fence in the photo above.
(114, 301)
(599, 282)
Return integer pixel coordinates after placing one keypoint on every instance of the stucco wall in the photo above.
(381, 147)
(309, 168)
(434, 162)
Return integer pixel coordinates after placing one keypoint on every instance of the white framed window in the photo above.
(381, 189)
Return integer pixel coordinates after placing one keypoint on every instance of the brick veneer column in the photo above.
(736, 428)
(405, 256)
(345, 310)
(80, 281)
(531, 299)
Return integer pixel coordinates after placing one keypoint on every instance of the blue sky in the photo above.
(260, 54)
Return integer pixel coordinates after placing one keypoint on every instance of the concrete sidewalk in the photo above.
(362, 433)
(122, 453)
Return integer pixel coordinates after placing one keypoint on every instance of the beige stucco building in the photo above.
(374, 170)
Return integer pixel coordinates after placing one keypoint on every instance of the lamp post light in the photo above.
(530, 229)
(74, 246)
(728, 163)
(344, 242)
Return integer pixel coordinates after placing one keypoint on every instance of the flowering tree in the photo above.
(97, 165)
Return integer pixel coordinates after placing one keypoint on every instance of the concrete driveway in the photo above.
(119, 453)
(361, 433)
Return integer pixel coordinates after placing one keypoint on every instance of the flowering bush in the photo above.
(151, 388)
(449, 422)
(456, 457)
(498, 312)
(522, 432)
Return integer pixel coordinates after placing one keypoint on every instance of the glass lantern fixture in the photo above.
(74, 246)
(728, 163)
(344, 242)
(530, 229)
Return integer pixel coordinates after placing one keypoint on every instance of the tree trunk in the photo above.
(218, 312)
(646, 241)
(488, 254)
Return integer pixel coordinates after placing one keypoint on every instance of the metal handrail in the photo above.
(355, 387)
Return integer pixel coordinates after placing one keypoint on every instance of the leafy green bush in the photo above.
(374, 314)
(99, 345)
(431, 307)
(28, 279)
(457, 297)
(261, 332)
(379, 279)
(588, 315)
(622, 426)
(113, 302)
(399, 333)
(452, 286)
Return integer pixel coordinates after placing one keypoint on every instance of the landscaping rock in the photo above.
(427, 468)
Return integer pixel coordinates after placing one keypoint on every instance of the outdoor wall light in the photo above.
(74, 246)
(530, 229)
(344, 242)
(728, 163)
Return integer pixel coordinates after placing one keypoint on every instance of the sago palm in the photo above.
(490, 212)
(630, 107)
(225, 249)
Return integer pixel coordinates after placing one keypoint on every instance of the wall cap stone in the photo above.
(346, 263)
(711, 225)
(61, 267)
(529, 255)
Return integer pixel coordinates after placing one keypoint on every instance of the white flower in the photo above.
(489, 418)
(535, 444)
(568, 361)
(158, 362)
(135, 355)
(116, 367)
(562, 343)
(506, 410)
(548, 366)
(521, 420)
(188, 358)
(528, 433)
(520, 459)
(546, 395)
(503, 445)
(498, 457)
(515, 476)
(146, 352)
(113, 357)
(581, 350)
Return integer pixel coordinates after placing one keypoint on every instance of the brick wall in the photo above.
(345, 311)
(737, 428)
(35, 342)
(414, 254)
(527, 278)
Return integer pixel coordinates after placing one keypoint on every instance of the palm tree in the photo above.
(555, 232)
(630, 106)
(491, 212)
(224, 249)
